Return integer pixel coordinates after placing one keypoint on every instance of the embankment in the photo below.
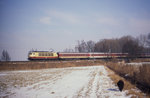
(136, 73)
(27, 65)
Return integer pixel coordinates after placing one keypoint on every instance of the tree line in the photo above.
(125, 44)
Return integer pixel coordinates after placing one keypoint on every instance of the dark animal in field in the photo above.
(120, 85)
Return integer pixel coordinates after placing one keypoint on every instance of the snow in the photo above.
(138, 64)
(73, 82)
(2, 74)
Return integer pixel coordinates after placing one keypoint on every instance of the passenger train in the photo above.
(46, 55)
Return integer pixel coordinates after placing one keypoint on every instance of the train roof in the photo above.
(40, 51)
(78, 52)
(72, 53)
(81, 53)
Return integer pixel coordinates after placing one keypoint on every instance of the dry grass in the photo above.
(143, 76)
(47, 64)
(137, 75)
(128, 86)
(141, 60)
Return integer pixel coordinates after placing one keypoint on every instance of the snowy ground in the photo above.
(73, 82)
(138, 64)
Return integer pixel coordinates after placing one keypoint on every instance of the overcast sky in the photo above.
(58, 24)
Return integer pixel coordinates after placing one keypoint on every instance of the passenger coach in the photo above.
(73, 55)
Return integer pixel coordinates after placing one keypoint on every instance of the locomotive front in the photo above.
(42, 55)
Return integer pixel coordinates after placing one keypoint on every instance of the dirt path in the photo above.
(73, 82)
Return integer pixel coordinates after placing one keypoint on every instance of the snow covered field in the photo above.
(73, 82)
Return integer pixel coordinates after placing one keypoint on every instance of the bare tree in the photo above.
(132, 47)
(148, 40)
(85, 46)
(107, 45)
(142, 40)
(5, 56)
(101, 46)
(68, 50)
(148, 43)
(82, 46)
(90, 46)
(124, 40)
